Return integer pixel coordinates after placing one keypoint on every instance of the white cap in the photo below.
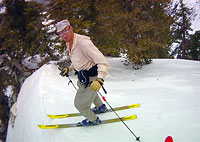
(61, 25)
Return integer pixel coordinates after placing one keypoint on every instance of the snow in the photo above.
(9, 91)
(167, 90)
(195, 5)
(2, 10)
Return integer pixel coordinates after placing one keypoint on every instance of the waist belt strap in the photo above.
(84, 75)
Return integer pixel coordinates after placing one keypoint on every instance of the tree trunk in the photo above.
(183, 30)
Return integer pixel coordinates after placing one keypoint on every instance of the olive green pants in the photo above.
(84, 99)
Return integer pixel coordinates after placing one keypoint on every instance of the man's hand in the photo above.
(65, 71)
(96, 85)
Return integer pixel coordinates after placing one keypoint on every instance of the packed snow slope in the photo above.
(168, 91)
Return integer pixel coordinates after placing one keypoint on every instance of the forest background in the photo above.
(138, 30)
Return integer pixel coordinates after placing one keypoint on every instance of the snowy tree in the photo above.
(182, 27)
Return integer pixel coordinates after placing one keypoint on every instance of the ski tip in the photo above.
(169, 139)
(129, 117)
(133, 106)
(58, 116)
(51, 116)
(40, 126)
(47, 126)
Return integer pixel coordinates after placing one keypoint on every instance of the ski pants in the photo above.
(84, 99)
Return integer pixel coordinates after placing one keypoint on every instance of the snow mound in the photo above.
(167, 90)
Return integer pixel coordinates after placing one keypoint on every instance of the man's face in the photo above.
(66, 33)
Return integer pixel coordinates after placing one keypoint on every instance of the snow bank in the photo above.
(167, 90)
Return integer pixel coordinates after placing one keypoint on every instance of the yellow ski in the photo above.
(126, 118)
(78, 114)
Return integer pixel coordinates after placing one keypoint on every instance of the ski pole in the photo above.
(70, 81)
(137, 138)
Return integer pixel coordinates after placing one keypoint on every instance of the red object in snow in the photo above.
(169, 139)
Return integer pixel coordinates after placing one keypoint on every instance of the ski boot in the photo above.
(101, 109)
(86, 122)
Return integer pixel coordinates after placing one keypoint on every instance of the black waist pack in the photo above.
(84, 75)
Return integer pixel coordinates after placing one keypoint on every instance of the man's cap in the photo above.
(61, 25)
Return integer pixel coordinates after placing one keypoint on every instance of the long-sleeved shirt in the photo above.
(84, 55)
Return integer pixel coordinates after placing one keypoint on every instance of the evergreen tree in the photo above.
(21, 36)
(139, 29)
(77, 12)
(104, 33)
(4, 111)
(194, 47)
(182, 27)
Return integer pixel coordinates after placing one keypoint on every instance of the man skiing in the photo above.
(91, 67)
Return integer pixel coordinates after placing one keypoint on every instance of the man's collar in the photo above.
(74, 43)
